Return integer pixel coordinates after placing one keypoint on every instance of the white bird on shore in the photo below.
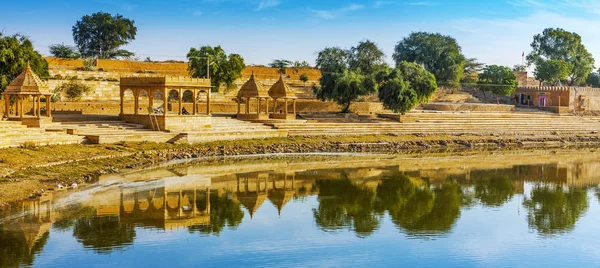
(74, 185)
(60, 186)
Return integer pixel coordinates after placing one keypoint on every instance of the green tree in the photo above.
(64, 51)
(594, 79)
(365, 58)
(552, 209)
(349, 87)
(552, 71)
(303, 64)
(558, 44)
(304, 78)
(224, 69)
(16, 50)
(401, 89)
(280, 64)
(499, 80)
(439, 54)
(471, 69)
(101, 35)
(494, 191)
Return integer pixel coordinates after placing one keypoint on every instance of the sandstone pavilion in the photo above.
(253, 90)
(27, 86)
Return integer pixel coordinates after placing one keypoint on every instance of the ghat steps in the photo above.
(14, 134)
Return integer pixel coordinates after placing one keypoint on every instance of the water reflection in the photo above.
(420, 201)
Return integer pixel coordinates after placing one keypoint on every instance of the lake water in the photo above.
(537, 210)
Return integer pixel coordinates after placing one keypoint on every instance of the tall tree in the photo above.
(419, 79)
(16, 50)
(558, 44)
(224, 69)
(101, 35)
(594, 79)
(64, 51)
(366, 58)
(439, 54)
(499, 80)
(280, 64)
(471, 70)
(332, 62)
(552, 71)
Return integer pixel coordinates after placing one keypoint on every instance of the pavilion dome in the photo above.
(252, 89)
(27, 83)
(281, 90)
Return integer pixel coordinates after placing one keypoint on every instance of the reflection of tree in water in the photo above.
(223, 212)
(103, 233)
(70, 214)
(494, 191)
(417, 209)
(552, 209)
(345, 204)
(15, 251)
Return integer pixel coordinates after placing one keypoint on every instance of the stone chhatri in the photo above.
(253, 89)
(27, 83)
(281, 90)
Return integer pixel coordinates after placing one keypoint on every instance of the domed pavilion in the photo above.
(25, 86)
(282, 91)
(252, 90)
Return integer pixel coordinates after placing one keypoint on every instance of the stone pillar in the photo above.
(208, 110)
(151, 103)
(286, 106)
(21, 99)
(239, 102)
(180, 102)
(166, 102)
(267, 106)
(6, 106)
(247, 105)
(195, 95)
(39, 106)
(294, 105)
(258, 105)
(48, 106)
(275, 106)
(136, 101)
(122, 101)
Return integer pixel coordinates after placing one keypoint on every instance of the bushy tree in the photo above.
(348, 74)
(403, 88)
(594, 79)
(15, 51)
(471, 69)
(101, 35)
(303, 64)
(64, 51)
(552, 71)
(558, 44)
(280, 64)
(519, 68)
(224, 69)
(439, 54)
(499, 80)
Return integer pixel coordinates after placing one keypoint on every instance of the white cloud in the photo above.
(268, 4)
(332, 14)
(378, 4)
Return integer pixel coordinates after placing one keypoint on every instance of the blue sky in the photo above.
(494, 31)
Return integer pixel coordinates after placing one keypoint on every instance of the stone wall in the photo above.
(592, 96)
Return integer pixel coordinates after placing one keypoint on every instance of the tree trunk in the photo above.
(346, 108)
(484, 97)
(497, 100)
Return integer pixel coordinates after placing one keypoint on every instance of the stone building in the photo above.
(559, 99)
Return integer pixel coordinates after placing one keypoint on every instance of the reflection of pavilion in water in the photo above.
(252, 189)
(26, 230)
(167, 204)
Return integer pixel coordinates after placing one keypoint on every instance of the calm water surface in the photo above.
(534, 211)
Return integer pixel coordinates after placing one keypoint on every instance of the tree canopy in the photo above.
(552, 71)
(16, 50)
(439, 54)
(348, 74)
(280, 64)
(561, 45)
(64, 51)
(101, 35)
(499, 80)
(552, 209)
(401, 89)
(594, 79)
(224, 69)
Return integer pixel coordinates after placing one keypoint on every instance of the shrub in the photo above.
(73, 90)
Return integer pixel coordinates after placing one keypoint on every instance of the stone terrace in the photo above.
(13, 133)
(445, 123)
